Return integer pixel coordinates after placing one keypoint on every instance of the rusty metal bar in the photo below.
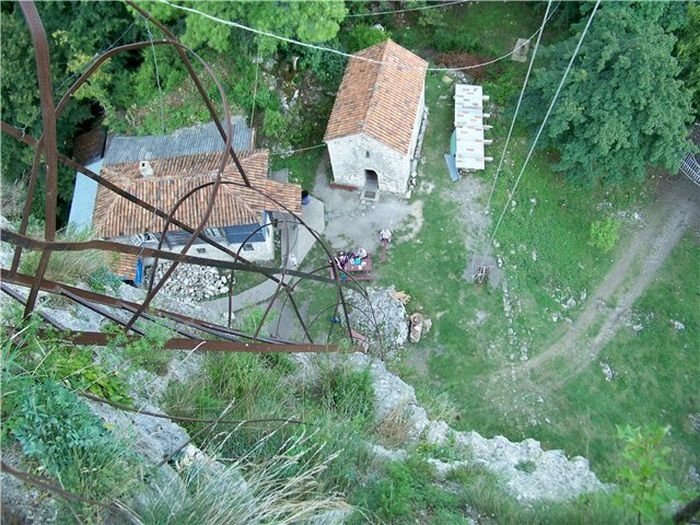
(27, 210)
(171, 326)
(197, 82)
(48, 142)
(99, 310)
(53, 287)
(46, 317)
(61, 246)
(43, 68)
(181, 343)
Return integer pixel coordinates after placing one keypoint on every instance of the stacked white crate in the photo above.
(469, 127)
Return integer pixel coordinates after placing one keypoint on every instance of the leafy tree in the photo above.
(623, 106)
(642, 486)
(76, 32)
(688, 50)
(363, 36)
(316, 21)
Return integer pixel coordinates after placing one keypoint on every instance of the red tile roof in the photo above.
(173, 178)
(380, 99)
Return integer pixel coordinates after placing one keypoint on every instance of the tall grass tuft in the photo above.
(68, 267)
(280, 490)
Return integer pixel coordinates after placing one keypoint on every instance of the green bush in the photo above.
(642, 487)
(605, 234)
(406, 493)
(74, 366)
(363, 36)
(143, 352)
(53, 358)
(70, 443)
(274, 126)
(459, 41)
(102, 279)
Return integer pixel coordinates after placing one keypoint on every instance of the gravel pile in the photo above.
(192, 283)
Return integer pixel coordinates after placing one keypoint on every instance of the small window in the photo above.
(214, 232)
(367, 153)
(201, 250)
(247, 247)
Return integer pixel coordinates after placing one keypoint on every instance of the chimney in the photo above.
(146, 169)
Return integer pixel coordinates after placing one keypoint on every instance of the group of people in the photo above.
(355, 258)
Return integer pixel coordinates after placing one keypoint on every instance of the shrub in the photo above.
(461, 41)
(147, 351)
(102, 279)
(605, 234)
(642, 486)
(363, 36)
(70, 443)
(75, 367)
(274, 127)
(56, 359)
(405, 492)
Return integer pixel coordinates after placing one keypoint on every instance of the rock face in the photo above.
(381, 312)
(548, 476)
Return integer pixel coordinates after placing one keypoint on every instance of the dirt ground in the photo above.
(675, 209)
(351, 223)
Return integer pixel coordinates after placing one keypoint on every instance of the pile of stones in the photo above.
(192, 283)
(381, 311)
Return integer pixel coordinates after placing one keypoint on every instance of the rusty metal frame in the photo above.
(227, 339)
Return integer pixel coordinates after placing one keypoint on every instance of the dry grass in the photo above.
(281, 490)
(67, 267)
(394, 428)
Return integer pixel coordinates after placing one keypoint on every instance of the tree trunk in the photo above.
(685, 514)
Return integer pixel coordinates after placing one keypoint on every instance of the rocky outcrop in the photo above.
(528, 472)
(381, 317)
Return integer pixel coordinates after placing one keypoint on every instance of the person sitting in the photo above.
(342, 260)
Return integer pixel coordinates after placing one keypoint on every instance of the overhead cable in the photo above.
(544, 122)
(510, 131)
(336, 51)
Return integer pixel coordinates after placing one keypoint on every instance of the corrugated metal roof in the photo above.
(195, 140)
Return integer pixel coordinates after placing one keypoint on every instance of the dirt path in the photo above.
(677, 207)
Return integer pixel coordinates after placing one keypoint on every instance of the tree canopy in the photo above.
(76, 32)
(623, 106)
(317, 21)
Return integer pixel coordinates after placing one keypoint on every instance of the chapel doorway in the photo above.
(371, 180)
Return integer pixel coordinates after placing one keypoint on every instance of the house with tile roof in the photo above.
(373, 129)
(162, 170)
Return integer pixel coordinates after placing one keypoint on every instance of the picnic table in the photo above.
(359, 272)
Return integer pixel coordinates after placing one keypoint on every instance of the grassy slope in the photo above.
(654, 373)
(459, 355)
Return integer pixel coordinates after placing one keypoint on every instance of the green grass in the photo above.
(654, 371)
(496, 25)
(302, 166)
(461, 355)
